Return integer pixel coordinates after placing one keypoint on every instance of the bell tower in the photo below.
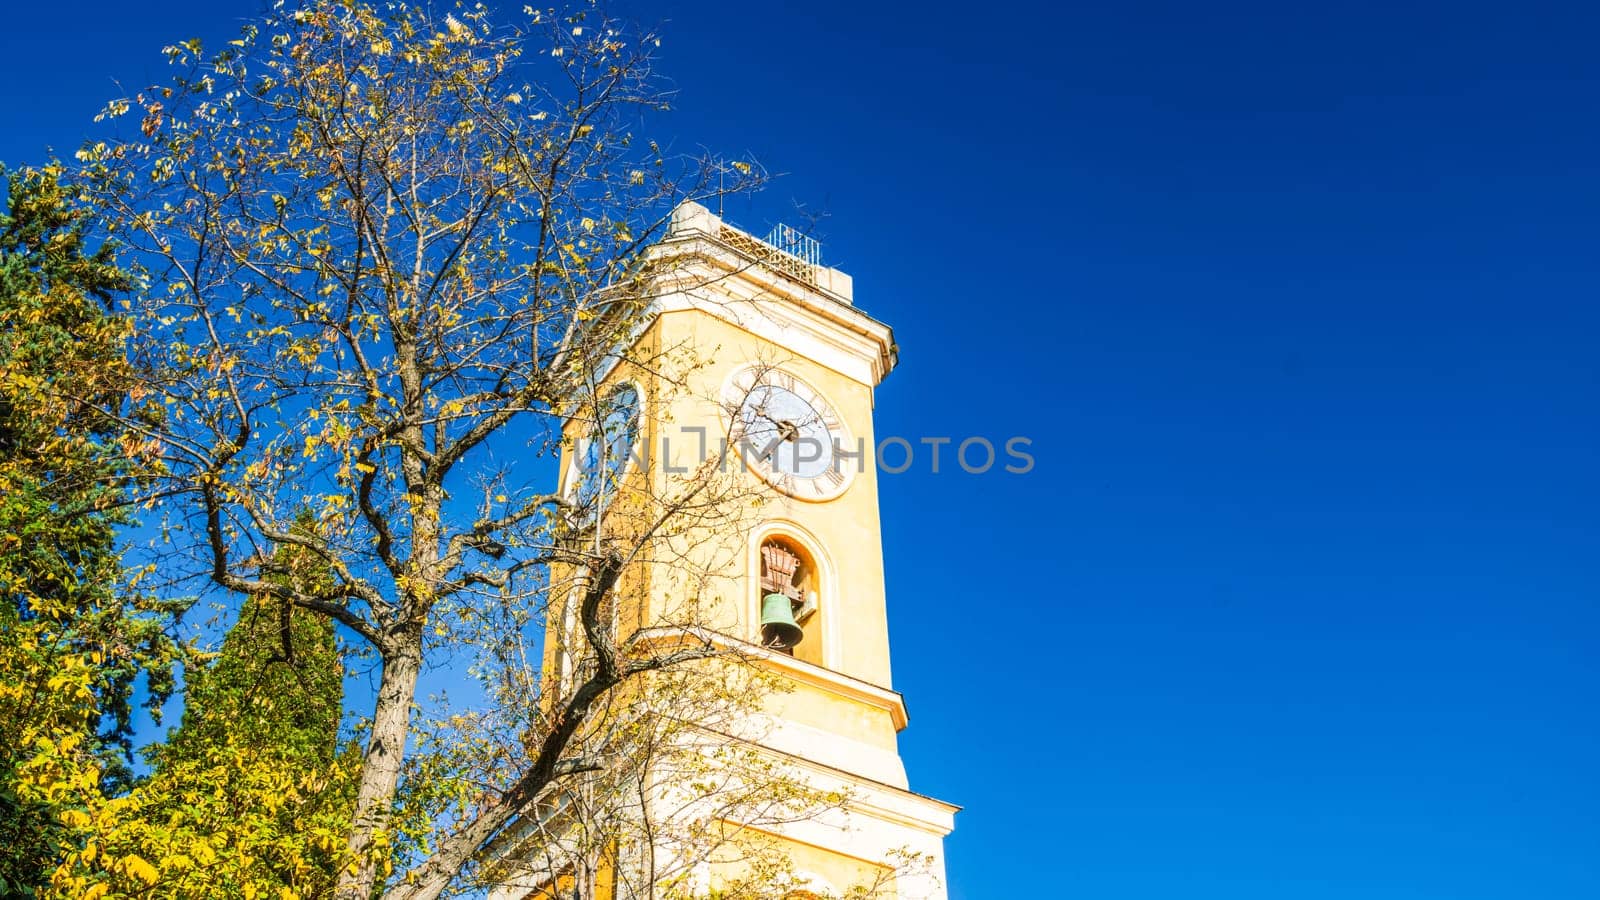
(769, 359)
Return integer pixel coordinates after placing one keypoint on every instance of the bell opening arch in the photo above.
(813, 587)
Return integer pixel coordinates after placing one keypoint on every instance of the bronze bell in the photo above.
(778, 627)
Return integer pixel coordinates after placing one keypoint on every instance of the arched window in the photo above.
(602, 456)
(791, 599)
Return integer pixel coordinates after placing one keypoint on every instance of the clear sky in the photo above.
(1299, 306)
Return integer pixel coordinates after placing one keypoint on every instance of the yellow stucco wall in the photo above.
(846, 529)
(818, 872)
(681, 363)
(843, 716)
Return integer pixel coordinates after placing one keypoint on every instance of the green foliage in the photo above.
(276, 682)
(73, 639)
(250, 796)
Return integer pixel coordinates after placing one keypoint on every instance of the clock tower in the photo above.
(759, 348)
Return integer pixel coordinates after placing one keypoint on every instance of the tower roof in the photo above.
(777, 289)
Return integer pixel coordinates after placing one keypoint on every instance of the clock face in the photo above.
(789, 434)
(603, 454)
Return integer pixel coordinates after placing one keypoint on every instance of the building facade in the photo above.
(753, 355)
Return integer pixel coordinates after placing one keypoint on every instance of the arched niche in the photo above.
(787, 558)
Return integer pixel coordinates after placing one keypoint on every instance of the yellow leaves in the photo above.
(303, 350)
(114, 109)
(203, 852)
(71, 680)
(166, 838)
(452, 408)
(76, 818)
(94, 153)
(135, 865)
(152, 119)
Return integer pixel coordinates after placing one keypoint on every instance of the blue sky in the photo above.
(1298, 306)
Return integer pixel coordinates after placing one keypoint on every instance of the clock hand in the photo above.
(787, 430)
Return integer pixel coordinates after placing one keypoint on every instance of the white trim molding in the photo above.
(824, 679)
(702, 271)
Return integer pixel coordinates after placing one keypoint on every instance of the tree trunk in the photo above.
(380, 767)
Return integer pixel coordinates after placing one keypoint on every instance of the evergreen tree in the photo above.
(276, 684)
(72, 641)
(250, 795)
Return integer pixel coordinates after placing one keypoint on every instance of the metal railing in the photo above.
(795, 243)
(772, 255)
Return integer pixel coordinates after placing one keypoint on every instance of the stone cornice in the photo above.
(701, 269)
(799, 671)
(885, 802)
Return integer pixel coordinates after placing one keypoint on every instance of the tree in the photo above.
(676, 797)
(250, 795)
(73, 637)
(384, 251)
